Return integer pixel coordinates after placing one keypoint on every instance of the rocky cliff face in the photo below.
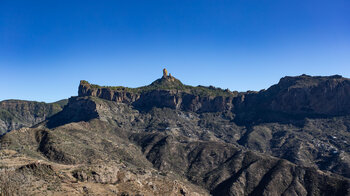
(310, 95)
(165, 92)
(121, 96)
(183, 101)
(297, 97)
(15, 114)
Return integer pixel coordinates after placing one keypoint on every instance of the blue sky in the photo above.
(47, 47)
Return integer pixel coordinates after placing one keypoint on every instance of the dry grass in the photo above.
(10, 182)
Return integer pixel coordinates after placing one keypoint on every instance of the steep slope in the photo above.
(15, 114)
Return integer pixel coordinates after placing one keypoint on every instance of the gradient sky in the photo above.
(47, 47)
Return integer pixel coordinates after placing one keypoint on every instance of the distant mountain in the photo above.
(296, 98)
(15, 114)
(168, 138)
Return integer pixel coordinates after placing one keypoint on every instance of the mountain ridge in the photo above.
(313, 92)
(15, 114)
(241, 144)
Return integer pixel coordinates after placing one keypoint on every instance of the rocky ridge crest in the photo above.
(293, 97)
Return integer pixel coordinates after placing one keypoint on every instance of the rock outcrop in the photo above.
(165, 73)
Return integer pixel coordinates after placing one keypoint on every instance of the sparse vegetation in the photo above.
(10, 183)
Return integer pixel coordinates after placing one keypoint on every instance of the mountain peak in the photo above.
(167, 82)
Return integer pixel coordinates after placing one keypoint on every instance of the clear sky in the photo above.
(48, 46)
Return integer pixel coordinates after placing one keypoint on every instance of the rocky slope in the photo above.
(15, 114)
(171, 139)
(167, 140)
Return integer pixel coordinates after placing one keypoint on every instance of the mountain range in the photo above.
(168, 138)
